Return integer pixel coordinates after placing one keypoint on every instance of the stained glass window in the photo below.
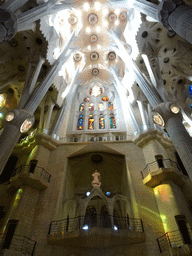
(100, 106)
(101, 122)
(96, 90)
(80, 123)
(91, 106)
(87, 99)
(112, 121)
(81, 107)
(105, 98)
(91, 122)
(110, 106)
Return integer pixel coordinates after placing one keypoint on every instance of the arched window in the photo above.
(105, 217)
(101, 122)
(80, 123)
(91, 122)
(101, 106)
(116, 220)
(90, 219)
(112, 121)
(81, 107)
(91, 106)
(110, 106)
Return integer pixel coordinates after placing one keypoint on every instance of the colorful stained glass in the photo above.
(112, 121)
(91, 106)
(91, 122)
(87, 99)
(81, 107)
(110, 106)
(101, 122)
(96, 91)
(80, 123)
(101, 106)
(105, 98)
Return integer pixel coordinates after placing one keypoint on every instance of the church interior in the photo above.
(95, 127)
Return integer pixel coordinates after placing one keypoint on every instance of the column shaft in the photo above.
(147, 8)
(182, 142)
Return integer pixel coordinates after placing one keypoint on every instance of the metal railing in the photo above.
(172, 239)
(86, 223)
(18, 243)
(93, 138)
(166, 163)
(37, 171)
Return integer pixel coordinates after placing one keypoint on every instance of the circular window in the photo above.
(112, 55)
(123, 16)
(112, 17)
(77, 57)
(93, 18)
(96, 91)
(95, 71)
(93, 38)
(94, 56)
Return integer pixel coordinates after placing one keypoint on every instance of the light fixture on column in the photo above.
(27, 124)
(158, 119)
(174, 108)
(9, 117)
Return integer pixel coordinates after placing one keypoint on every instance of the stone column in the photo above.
(171, 202)
(11, 134)
(177, 132)
(14, 5)
(147, 8)
(24, 201)
(120, 88)
(142, 113)
(177, 16)
(30, 84)
(48, 116)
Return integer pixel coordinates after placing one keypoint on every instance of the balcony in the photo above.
(17, 246)
(98, 232)
(35, 177)
(154, 173)
(172, 243)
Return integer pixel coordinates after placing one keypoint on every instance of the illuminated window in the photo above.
(80, 123)
(112, 121)
(110, 106)
(101, 106)
(91, 122)
(96, 91)
(81, 107)
(101, 122)
(87, 99)
(91, 106)
(105, 98)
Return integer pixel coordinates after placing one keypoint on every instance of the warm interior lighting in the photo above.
(86, 6)
(98, 29)
(97, 6)
(105, 11)
(88, 30)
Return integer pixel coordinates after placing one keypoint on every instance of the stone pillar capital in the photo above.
(168, 110)
(8, 24)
